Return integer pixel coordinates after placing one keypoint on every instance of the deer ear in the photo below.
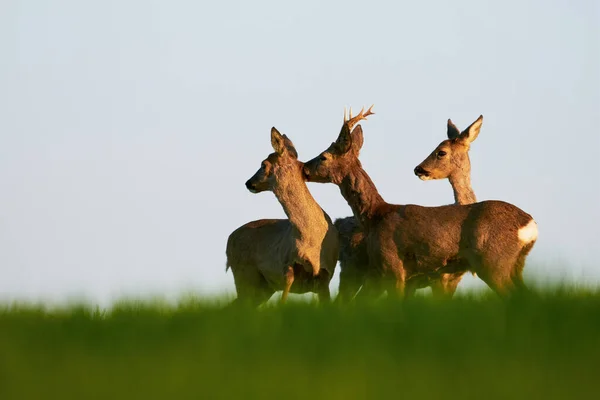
(453, 131)
(289, 146)
(357, 138)
(277, 141)
(344, 140)
(471, 133)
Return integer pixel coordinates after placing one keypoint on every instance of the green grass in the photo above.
(470, 347)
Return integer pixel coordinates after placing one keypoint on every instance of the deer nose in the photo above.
(420, 171)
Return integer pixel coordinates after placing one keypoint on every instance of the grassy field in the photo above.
(470, 347)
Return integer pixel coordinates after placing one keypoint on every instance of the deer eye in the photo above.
(441, 153)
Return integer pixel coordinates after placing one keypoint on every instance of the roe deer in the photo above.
(295, 255)
(408, 244)
(449, 160)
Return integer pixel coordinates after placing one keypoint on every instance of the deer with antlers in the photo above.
(297, 254)
(410, 244)
(449, 160)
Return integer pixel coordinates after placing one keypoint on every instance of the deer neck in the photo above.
(361, 194)
(461, 185)
(302, 210)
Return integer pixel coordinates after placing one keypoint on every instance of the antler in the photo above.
(350, 121)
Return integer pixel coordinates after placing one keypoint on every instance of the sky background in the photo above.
(128, 128)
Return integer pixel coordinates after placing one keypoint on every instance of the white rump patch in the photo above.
(529, 232)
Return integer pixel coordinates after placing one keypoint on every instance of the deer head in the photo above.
(335, 162)
(452, 155)
(278, 165)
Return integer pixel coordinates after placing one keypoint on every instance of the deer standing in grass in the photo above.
(410, 244)
(449, 160)
(295, 255)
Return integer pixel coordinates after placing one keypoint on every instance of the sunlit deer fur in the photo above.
(450, 160)
(408, 245)
(455, 166)
(295, 255)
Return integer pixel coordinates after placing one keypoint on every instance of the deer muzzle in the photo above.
(421, 172)
(313, 171)
(306, 171)
(250, 186)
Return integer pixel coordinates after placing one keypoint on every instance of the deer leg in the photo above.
(452, 283)
(323, 287)
(395, 279)
(250, 285)
(410, 288)
(397, 289)
(371, 289)
(517, 273)
(445, 286)
(520, 288)
(350, 282)
(498, 279)
(378, 274)
(438, 290)
(288, 279)
(263, 295)
(503, 273)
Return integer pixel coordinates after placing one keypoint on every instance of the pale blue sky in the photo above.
(128, 128)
